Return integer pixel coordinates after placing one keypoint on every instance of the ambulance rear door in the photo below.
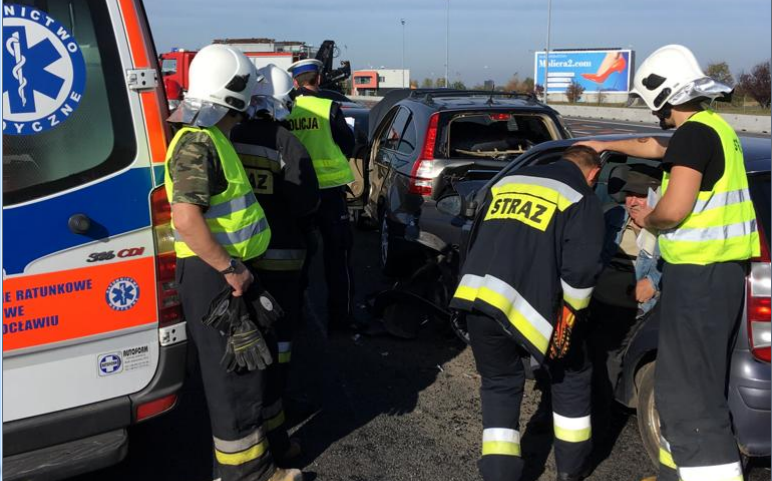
(80, 138)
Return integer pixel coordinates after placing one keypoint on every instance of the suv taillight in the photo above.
(169, 310)
(421, 175)
(759, 292)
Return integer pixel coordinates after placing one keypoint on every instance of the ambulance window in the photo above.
(91, 141)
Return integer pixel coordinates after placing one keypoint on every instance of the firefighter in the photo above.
(284, 182)
(707, 227)
(320, 125)
(531, 270)
(218, 225)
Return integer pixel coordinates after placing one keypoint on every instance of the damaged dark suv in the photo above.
(422, 140)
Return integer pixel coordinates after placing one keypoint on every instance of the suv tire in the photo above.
(648, 417)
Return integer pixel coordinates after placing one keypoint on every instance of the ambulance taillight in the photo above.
(169, 309)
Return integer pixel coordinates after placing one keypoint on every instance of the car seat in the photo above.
(616, 181)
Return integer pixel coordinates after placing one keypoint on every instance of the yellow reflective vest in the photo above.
(722, 224)
(234, 216)
(309, 121)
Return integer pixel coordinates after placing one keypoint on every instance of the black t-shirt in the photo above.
(697, 146)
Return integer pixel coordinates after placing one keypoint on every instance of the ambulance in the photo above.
(93, 337)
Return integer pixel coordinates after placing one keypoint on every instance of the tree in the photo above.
(574, 92)
(458, 85)
(757, 83)
(414, 84)
(427, 83)
(719, 71)
(528, 84)
(440, 83)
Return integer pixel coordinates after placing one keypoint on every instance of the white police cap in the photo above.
(303, 66)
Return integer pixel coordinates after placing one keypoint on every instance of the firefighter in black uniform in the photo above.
(219, 227)
(320, 125)
(284, 182)
(530, 271)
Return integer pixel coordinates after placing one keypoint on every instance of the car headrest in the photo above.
(616, 180)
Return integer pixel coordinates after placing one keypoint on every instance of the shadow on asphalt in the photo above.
(351, 379)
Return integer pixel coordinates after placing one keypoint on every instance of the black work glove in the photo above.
(220, 313)
(246, 348)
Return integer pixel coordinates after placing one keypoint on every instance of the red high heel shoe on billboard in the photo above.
(618, 66)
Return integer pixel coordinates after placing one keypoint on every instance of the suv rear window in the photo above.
(498, 135)
(97, 138)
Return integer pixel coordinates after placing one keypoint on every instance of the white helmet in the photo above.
(221, 78)
(672, 75)
(272, 91)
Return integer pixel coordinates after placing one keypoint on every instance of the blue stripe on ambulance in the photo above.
(115, 206)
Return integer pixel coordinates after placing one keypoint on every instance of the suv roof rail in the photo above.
(429, 94)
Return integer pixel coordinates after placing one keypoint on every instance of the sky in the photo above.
(489, 39)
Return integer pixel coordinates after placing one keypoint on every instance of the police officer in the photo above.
(284, 182)
(708, 232)
(218, 224)
(531, 268)
(320, 125)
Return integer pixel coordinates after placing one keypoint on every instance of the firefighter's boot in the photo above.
(286, 475)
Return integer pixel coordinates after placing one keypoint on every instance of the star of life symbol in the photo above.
(44, 73)
(122, 294)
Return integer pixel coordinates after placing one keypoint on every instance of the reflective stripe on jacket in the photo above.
(309, 121)
(722, 224)
(234, 217)
(284, 181)
(538, 246)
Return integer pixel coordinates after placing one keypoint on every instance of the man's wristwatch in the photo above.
(232, 267)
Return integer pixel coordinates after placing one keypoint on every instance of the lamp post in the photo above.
(547, 53)
(402, 21)
(447, 42)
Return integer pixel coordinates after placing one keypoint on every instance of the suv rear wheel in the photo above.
(648, 417)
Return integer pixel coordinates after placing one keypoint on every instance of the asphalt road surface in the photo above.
(384, 410)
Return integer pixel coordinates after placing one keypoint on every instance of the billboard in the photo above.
(595, 70)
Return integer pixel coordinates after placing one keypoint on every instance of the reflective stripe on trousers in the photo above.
(721, 472)
(497, 293)
(501, 441)
(241, 451)
(572, 430)
(285, 352)
(273, 416)
(665, 456)
(281, 260)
